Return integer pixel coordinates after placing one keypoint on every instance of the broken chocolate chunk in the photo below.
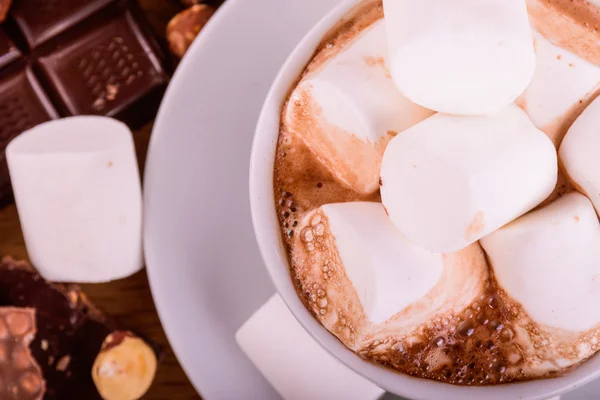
(70, 329)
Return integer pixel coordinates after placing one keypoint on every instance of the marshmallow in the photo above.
(77, 188)
(293, 362)
(363, 280)
(348, 109)
(579, 153)
(457, 56)
(561, 87)
(549, 262)
(451, 180)
(387, 272)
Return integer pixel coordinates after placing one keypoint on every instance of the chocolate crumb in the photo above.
(63, 363)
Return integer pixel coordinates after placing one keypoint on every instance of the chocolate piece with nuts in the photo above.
(71, 330)
(124, 368)
(20, 375)
(185, 26)
(4, 7)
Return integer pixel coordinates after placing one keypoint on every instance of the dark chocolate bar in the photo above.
(41, 20)
(61, 58)
(70, 330)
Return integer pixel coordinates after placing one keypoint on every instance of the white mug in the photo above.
(268, 235)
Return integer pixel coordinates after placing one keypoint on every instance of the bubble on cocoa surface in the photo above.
(319, 229)
(466, 328)
(288, 213)
(316, 219)
(399, 347)
(483, 318)
(514, 355)
(507, 334)
(307, 235)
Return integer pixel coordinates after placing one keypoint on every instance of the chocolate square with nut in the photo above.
(41, 20)
(22, 106)
(106, 70)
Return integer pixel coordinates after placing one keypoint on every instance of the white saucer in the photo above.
(205, 270)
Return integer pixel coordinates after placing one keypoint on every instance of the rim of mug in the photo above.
(268, 236)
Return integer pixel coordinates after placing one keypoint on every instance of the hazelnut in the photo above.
(125, 367)
(185, 26)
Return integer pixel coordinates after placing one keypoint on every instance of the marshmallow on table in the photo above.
(387, 272)
(348, 109)
(579, 152)
(460, 56)
(294, 363)
(549, 262)
(77, 188)
(451, 180)
(562, 85)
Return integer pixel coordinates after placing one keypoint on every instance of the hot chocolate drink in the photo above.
(464, 260)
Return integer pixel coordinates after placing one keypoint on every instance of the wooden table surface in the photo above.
(129, 300)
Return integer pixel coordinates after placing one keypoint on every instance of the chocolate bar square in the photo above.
(8, 50)
(41, 20)
(105, 70)
(23, 105)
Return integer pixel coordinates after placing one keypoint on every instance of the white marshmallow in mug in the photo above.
(394, 282)
(388, 272)
(553, 250)
(457, 56)
(579, 152)
(562, 85)
(347, 110)
(78, 193)
(451, 180)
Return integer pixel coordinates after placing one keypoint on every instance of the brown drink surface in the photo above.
(490, 340)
